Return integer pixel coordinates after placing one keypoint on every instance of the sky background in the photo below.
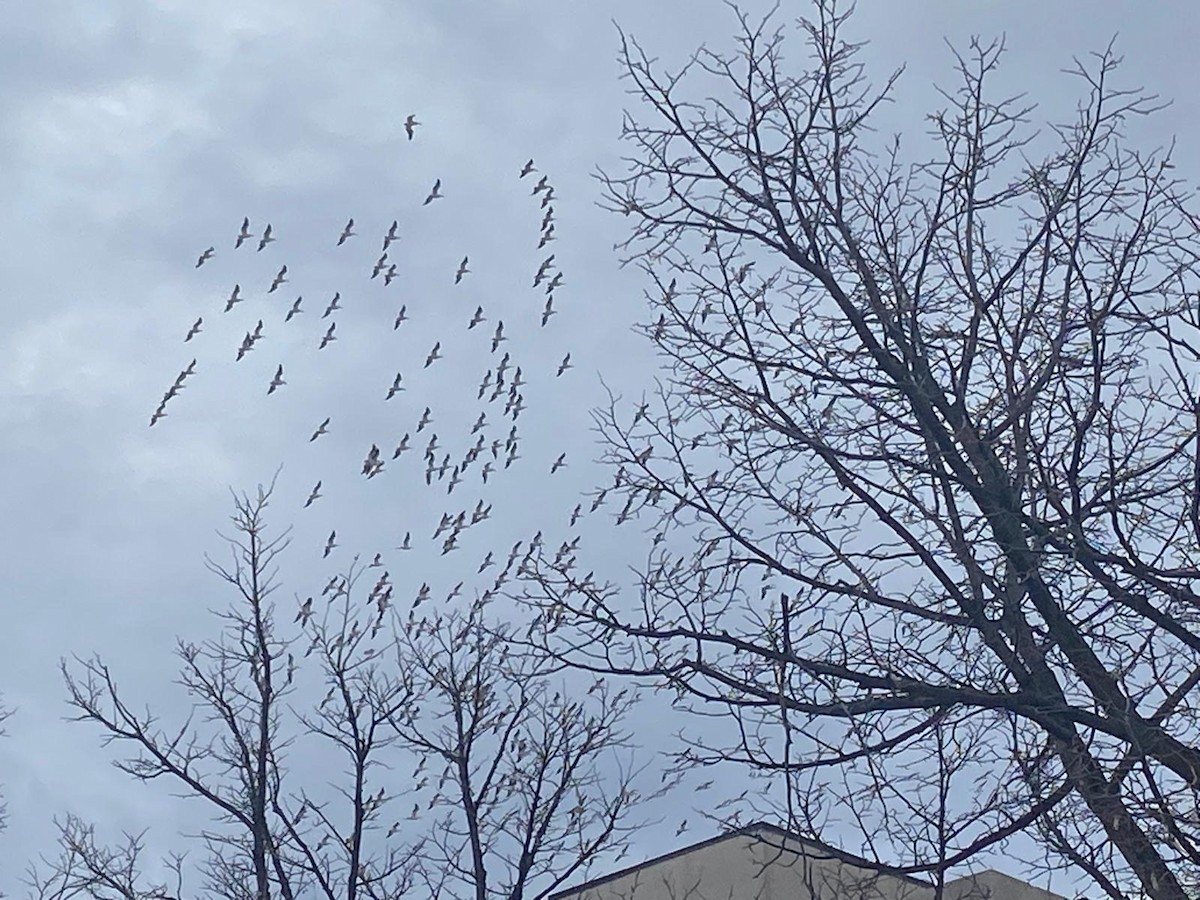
(138, 134)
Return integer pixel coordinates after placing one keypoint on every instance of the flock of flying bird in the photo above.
(505, 378)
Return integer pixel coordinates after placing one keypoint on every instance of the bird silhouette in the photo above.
(462, 270)
(243, 235)
(434, 354)
(555, 283)
(426, 418)
(323, 428)
(380, 265)
(347, 233)
(476, 319)
(390, 275)
(328, 336)
(277, 381)
(407, 544)
(372, 462)
(547, 237)
(246, 347)
(402, 446)
(558, 463)
(527, 168)
(205, 256)
(394, 389)
(410, 125)
(391, 235)
(542, 185)
(266, 238)
(295, 309)
(234, 297)
(401, 317)
(435, 194)
(333, 305)
(305, 613)
(564, 365)
(498, 336)
(194, 330)
(330, 544)
(548, 311)
(280, 278)
(543, 270)
(315, 495)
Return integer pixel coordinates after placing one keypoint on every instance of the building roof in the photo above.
(981, 886)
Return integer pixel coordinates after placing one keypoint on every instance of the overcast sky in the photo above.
(137, 134)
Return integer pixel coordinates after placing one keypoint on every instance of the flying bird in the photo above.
(407, 545)
(266, 238)
(389, 275)
(426, 418)
(564, 365)
(391, 235)
(280, 278)
(333, 305)
(434, 354)
(401, 317)
(246, 347)
(527, 168)
(277, 381)
(543, 270)
(542, 185)
(195, 330)
(322, 429)
(243, 235)
(394, 389)
(295, 309)
(498, 336)
(372, 464)
(330, 544)
(548, 311)
(158, 413)
(305, 613)
(234, 297)
(316, 493)
(435, 194)
(476, 319)
(555, 282)
(402, 446)
(548, 199)
(347, 232)
(462, 270)
(558, 463)
(410, 125)
(205, 256)
(380, 265)
(547, 237)
(328, 336)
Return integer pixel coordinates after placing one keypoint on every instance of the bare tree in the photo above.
(516, 757)
(532, 789)
(933, 425)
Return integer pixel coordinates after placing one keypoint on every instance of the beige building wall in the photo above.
(765, 863)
